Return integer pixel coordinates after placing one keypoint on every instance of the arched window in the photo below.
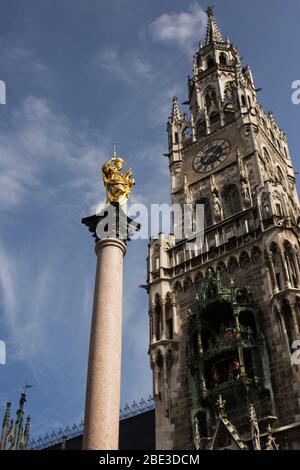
(210, 97)
(223, 60)
(207, 211)
(169, 318)
(231, 200)
(214, 120)
(201, 128)
(272, 136)
(158, 322)
(280, 175)
(243, 100)
(249, 100)
(287, 318)
(266, 155)
(199, 280)
(210, 62)
(176, 138)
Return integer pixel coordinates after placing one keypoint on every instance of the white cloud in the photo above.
(129, 66)
(182, 29)
(42, 155)
(18, 59)
(161, 104)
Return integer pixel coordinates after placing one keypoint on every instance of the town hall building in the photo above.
(225, 318)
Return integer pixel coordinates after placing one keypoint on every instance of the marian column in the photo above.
(111, 229)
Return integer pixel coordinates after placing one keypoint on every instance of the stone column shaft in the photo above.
(295, 260)
(101, 424)
(154, 323)
(163, 319)
(294, 320)
(272, 273)
(285, 269)
(174, 314)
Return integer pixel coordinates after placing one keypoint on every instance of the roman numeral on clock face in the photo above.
(211, 155)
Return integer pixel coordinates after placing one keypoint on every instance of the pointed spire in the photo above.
(271, 442)
(213, 33)
(175, 114)
(197, 437)
(221, 407)
(25, 436)
(18, 427)
(255, 433)
(5, 427)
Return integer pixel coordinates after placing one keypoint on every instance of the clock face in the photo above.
(211, 155)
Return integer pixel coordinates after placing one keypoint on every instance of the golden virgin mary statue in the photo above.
(118, 185)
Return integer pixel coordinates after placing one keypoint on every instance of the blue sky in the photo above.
(81, 75)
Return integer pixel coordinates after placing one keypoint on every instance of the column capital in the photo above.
(100, 244)
(112, 222)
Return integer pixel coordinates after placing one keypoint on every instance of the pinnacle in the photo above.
(213, 33)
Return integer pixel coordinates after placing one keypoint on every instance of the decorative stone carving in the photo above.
(228, 92)
(210, 98)
(246, 193)
(188, 198)
(177, 176)
(266, 206)
(216, 205)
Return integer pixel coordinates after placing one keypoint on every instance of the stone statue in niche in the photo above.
(216, 205)
(177, 177)
(210, 98)
(228, 92)
(246, 193)
(265, 203)
(188, 197)
(242, 167)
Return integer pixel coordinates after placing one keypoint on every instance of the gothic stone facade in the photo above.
(208, 334)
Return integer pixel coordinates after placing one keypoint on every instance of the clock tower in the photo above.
(225, 318)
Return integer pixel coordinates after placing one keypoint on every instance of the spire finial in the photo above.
(210, 10)
(221, 407)
(255, 433)
(175, 113)
(26, 387)
(213, 33)
(271, 442)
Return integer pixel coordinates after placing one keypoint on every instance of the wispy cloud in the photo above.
(19, 60)
(42, 153)
(161, 104)
(181, 29)
(129, 66)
